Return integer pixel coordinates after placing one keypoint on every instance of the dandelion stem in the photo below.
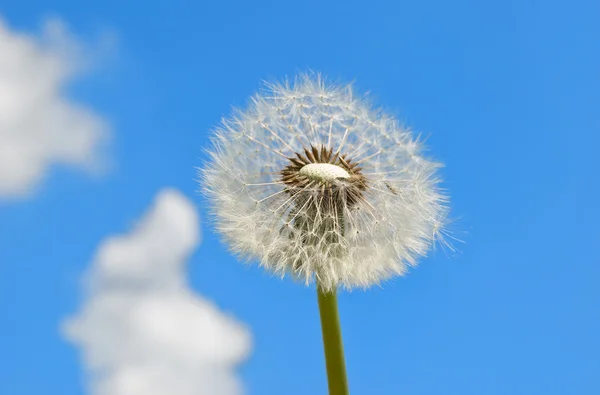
(332, 342)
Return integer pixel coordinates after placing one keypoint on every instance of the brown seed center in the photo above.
(335, 176)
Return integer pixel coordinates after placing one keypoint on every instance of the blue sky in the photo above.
(507, 93)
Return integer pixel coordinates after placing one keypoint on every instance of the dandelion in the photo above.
(313, 182)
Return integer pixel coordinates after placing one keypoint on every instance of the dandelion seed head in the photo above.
(312, 181)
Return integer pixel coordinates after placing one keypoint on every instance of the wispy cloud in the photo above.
(39, 125)
(141, 330)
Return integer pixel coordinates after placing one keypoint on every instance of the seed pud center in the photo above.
(324, 172)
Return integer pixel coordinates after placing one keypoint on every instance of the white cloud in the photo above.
(141, 330)
(39, 126)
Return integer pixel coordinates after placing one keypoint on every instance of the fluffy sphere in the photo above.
(311, 180)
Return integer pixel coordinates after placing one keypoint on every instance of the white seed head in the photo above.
(310, 180)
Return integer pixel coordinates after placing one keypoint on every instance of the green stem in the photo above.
(332, 343)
